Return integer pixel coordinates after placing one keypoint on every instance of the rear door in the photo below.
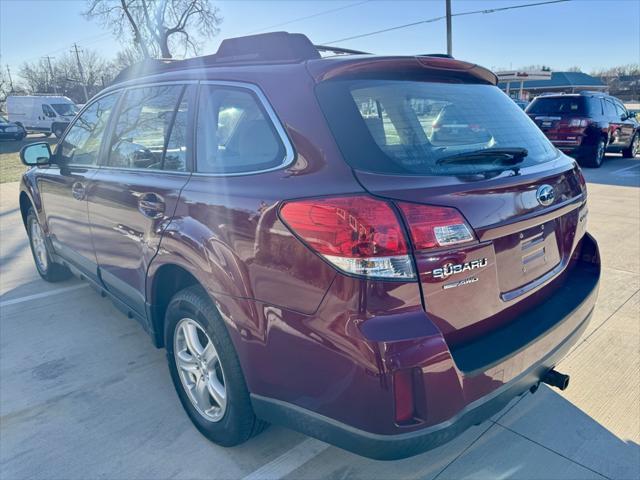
(527, 214)
(136, 192)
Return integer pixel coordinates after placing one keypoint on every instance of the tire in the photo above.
(47, 268)
(634, 147)
(191, 310)
(595, 157)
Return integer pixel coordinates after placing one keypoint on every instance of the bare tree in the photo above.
(66, 77)
(159, 27)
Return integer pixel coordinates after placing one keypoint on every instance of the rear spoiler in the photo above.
(422, 66)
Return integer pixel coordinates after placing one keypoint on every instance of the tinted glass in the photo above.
(143, 126)
(65, 108)
(621, 112)
(595, 106)
(610, 109)
(408, 126)
(81, 145)
(558, 105)
(234, 133)
(48, 111)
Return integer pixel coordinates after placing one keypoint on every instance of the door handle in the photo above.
(78, 191)
(151, 205)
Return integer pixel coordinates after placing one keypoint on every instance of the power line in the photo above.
(442, 17)
(306, 17)
(85, 41)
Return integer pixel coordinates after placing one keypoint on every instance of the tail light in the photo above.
(434, 227)
(579, 122)
(357, 234)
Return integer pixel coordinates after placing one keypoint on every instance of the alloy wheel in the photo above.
(600, 152)
(39, 246)
(200, 370)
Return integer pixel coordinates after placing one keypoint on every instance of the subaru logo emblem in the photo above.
(545, 195)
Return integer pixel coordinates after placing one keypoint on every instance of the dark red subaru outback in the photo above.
(376, 251)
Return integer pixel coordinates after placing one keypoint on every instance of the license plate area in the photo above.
(525, 257)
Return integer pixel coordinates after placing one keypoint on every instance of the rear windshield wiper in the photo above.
(503, 156)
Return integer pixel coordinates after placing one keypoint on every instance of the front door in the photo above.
(45, 118)
(64, 186)
(616, 130)
(627, 124)
(135, 194)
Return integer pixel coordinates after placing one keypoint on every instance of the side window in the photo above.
(48, 111)
(610, 110)
(234, 132)
(595, 106)
(621, 112)
(81, 145)
(142, 137)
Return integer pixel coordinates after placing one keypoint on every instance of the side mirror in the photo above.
(36, 154)
(632, 115)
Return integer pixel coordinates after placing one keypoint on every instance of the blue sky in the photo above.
(587, 33)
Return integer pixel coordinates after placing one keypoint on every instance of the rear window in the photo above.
(408, 127)
(558, 105)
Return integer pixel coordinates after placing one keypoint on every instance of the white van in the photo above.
(41, 113)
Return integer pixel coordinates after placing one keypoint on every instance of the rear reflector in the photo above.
(403, 395)
(433, 227)
(357, 234)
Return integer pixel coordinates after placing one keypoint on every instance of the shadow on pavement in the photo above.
(615, 170)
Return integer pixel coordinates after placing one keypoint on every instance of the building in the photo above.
(559, 82)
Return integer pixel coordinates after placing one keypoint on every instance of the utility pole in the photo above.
(53, 78)
(10, 80)
(449, 45)
(81, 72)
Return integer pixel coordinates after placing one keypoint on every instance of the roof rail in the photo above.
(442, 55)
(274, 47)
(339, 50)
(591, 92)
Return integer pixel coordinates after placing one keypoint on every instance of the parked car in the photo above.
(586, 125)
(41, 113)
(521, 103)
(283, 225)
(10, 130)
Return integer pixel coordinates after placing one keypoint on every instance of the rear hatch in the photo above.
(523, 201)
(562, 118)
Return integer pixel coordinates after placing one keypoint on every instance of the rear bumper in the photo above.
(532, 346)
(394, 447)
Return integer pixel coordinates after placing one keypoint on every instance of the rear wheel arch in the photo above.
(168, 280)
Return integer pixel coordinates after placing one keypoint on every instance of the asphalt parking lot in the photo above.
(84, 394)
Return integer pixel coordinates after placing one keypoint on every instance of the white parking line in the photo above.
(36, 296)
(620, 170)
(290, 461)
